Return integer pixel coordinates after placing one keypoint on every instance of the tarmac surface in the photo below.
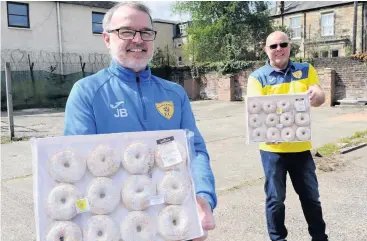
(236, 166)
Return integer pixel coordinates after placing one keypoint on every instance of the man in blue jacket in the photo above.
(125, 97)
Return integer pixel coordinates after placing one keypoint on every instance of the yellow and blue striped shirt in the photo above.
(296, 78)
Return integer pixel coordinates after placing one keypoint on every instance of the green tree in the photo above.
(233, 30)
(163, 57)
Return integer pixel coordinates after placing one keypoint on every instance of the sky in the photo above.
(162, 10)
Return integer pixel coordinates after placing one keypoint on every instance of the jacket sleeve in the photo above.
(254, 87)
(79, 117)
(200, 165)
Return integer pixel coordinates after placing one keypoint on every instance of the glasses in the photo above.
(125, 34)
(275, 46)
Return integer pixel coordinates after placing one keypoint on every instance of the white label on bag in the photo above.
(279, 111)
(169, 152)
(155, 200)
(300, 105)
(82, 205)
(279, 126)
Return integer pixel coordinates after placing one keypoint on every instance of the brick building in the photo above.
(323, 28)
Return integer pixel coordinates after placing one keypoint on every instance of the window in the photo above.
(182, 28)
(324, 54)
(97, 19)
(296, 27)
(18, 14)
(335, 53)
(327, 24)
(180, 60)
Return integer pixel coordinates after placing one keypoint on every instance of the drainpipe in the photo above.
(304, 35)
(355, 27)
(60, 36)
(364, 26)
(282, 11)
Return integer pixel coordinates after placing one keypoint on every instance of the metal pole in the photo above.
(9, 100)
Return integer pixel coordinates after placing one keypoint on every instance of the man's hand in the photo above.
(316, 95)
(206, 217)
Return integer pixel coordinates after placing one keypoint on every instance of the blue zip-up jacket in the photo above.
(120, 100)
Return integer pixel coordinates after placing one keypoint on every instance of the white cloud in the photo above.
(162, 10)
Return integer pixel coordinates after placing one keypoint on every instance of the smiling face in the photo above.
(279, 56)
(134, 53)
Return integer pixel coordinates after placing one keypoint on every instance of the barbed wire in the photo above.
(21, 60)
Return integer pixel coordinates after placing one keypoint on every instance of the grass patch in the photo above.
(7, 140)
(334, 147)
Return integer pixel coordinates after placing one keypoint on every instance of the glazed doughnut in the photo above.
(138, 158)
(254, 121)
(258, 134)
(284, 105)
(103, 196)
(269, 107)
(273, 134)
(103, 161)
(286, 119)
(138, 226)
(303, 133)
(64, 230)
(61, 202)
(66, 166)
(272, 119)
(254, 107)
(101, 228)
(159, 160)
(136, 192)
(173, 223)
(174, 187)
(302, 119)
(287, 134)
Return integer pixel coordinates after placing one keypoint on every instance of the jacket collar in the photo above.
(128, 75)
(269, 69)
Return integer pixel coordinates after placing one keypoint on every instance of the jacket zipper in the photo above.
(141, 97)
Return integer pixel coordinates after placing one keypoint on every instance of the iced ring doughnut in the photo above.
(64, 230)
(173, 223)
(258, 134)
(103, 161)
(160, 163)
(287, 134)
(269, 107)
(67, 166)
(272, 119)
(254, 121)
(136, 192)
(101, 228)
(138, 158)
(103, 196)
(174, 187)
(137, 226)
(287, 119)
(254, 107)
(303, 133)
(61, 202)
(302, 119)
(273, 134)
(284, 105)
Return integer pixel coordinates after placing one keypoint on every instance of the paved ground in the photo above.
(240, 214)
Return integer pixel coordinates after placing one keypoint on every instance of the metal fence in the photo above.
(44, 79)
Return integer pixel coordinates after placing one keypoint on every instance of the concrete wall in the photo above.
(42, 34)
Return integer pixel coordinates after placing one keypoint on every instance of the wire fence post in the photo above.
(9, 99)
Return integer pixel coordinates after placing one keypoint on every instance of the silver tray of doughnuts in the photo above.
(278, 118)
(114, 187)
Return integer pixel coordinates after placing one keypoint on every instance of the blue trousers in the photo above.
(301, 169)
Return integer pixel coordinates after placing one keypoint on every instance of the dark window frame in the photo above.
(7, 14)
(93, 12)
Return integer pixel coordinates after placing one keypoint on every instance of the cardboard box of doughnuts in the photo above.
(123, 186)
(278, 118)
